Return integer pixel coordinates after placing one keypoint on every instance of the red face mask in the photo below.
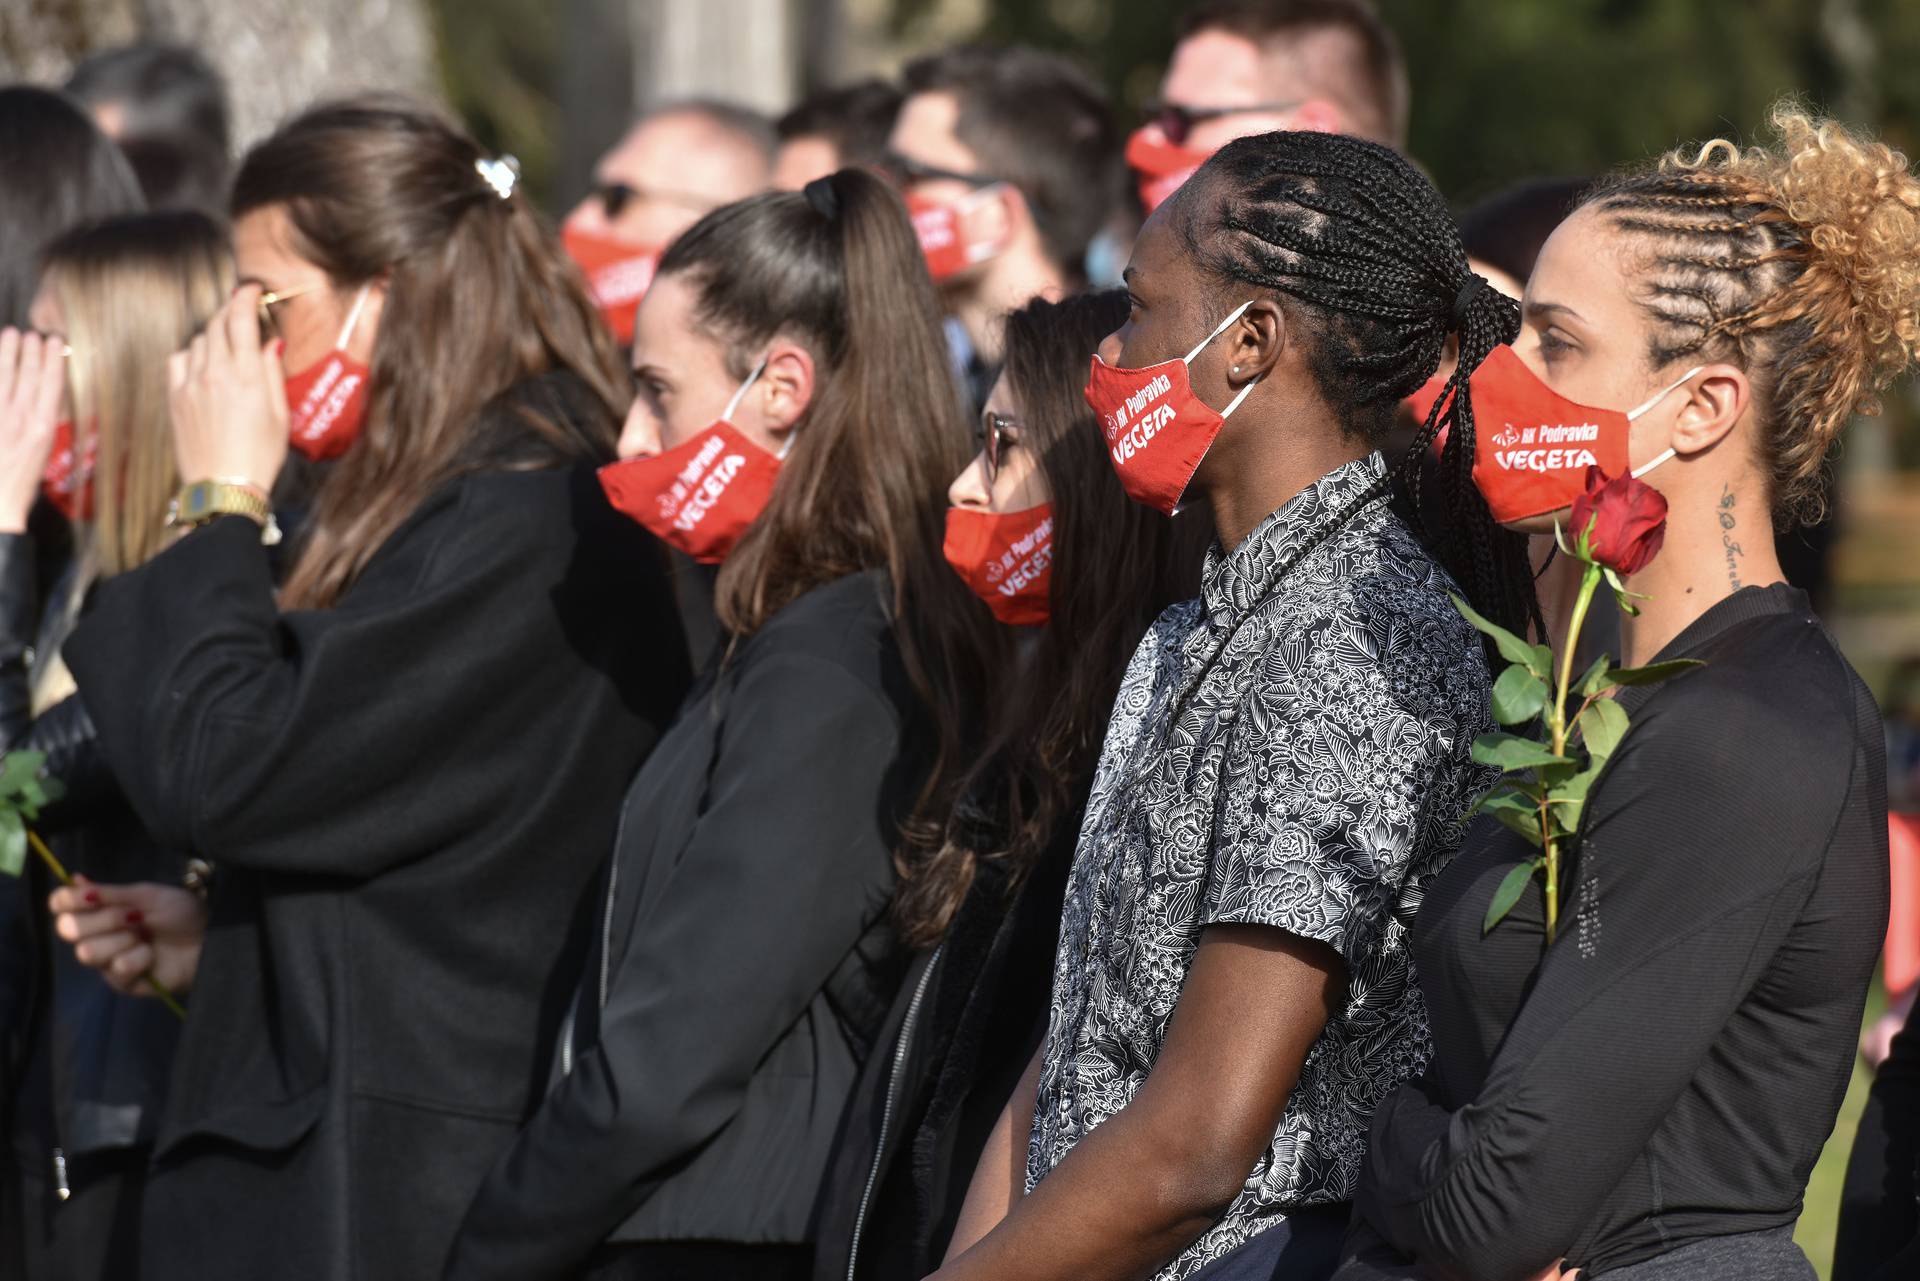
(1157, 430)
(1532, 446)
(327, 401)
(1159, 165)
(618, 275)
(68, 480)
(942, 231)
(1006, 557)
(702, 494)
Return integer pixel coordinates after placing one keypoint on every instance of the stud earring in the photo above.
(1236, 369)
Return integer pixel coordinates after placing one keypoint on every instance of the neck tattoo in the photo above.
(1732, 549)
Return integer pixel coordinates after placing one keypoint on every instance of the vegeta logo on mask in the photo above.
(1535, 462)
(1157, 429)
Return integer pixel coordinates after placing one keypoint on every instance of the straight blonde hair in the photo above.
(132, 291)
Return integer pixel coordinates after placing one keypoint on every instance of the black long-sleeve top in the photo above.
(1669, 1069)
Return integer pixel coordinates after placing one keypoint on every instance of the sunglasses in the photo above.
(269, 299)
(614, 197)
(994, 436)
(903, 173)
(1178, 122)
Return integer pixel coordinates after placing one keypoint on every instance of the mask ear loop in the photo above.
(1649, 403)
(1201, 346)
(353, 317)
(740, 394)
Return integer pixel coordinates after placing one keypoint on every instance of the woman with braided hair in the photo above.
(1645, 1096)
(1287, 761)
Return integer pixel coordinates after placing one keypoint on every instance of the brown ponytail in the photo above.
(864, 486)
(478, 299)
(1799, 261)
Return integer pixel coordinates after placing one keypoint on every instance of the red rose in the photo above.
(1625, 519)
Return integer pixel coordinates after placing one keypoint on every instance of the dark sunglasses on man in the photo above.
(1178, 122)
(903, 173)
(616, 196)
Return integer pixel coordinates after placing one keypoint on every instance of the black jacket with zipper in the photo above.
(968, 1018)
(744, 962)
(409, 795)
(93, 1064)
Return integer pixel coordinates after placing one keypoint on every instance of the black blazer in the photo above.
(747, 962)
(408, 796)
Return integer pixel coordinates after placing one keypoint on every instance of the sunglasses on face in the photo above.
(614, 197)
(994, 436)
(904, 173)
(269, 299)
(1178, 122)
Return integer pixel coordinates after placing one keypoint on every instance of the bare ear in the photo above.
(1717, 399)
(1000, 216)
(1254, 343)
(786, 386)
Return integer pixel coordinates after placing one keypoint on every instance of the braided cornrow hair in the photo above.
(1798, 261)
(1364, 258)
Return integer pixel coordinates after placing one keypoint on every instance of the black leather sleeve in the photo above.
(19, 616)
(64, 731)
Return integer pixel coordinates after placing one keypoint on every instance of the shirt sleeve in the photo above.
(1681, 902)
(1336, 761)
(307, 741)
(789, 864)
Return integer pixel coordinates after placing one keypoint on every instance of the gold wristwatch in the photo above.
(205, 500)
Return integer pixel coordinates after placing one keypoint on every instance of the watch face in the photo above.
(196, 502)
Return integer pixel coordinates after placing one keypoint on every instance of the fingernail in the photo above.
(135, 917)
(93, 899)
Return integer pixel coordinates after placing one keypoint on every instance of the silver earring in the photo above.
(1236, 369)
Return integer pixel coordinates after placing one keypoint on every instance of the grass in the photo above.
(1820, 1215)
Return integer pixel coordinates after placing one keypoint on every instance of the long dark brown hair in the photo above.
(1116, 566)
(479, 298)
(864, 485)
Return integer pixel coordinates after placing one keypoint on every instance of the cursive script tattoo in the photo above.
(1734, 553)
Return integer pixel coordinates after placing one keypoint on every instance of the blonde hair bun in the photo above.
(1857, 205)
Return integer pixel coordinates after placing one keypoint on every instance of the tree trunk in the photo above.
(277, 58)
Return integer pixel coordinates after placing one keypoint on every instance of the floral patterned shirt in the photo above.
(1316, 775)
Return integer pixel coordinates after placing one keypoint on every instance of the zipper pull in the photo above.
(60, 1187)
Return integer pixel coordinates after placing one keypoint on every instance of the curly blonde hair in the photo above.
(1798, 260)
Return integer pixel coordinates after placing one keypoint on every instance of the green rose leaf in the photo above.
(1598, 677)
(1602, 726)
(1537, 659)
(1652, 673)
(1569, 799)
(1518, 696)
(13, 842)
(1512, 885)
(1516, 810)
(19, 769)
(1511, 752)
